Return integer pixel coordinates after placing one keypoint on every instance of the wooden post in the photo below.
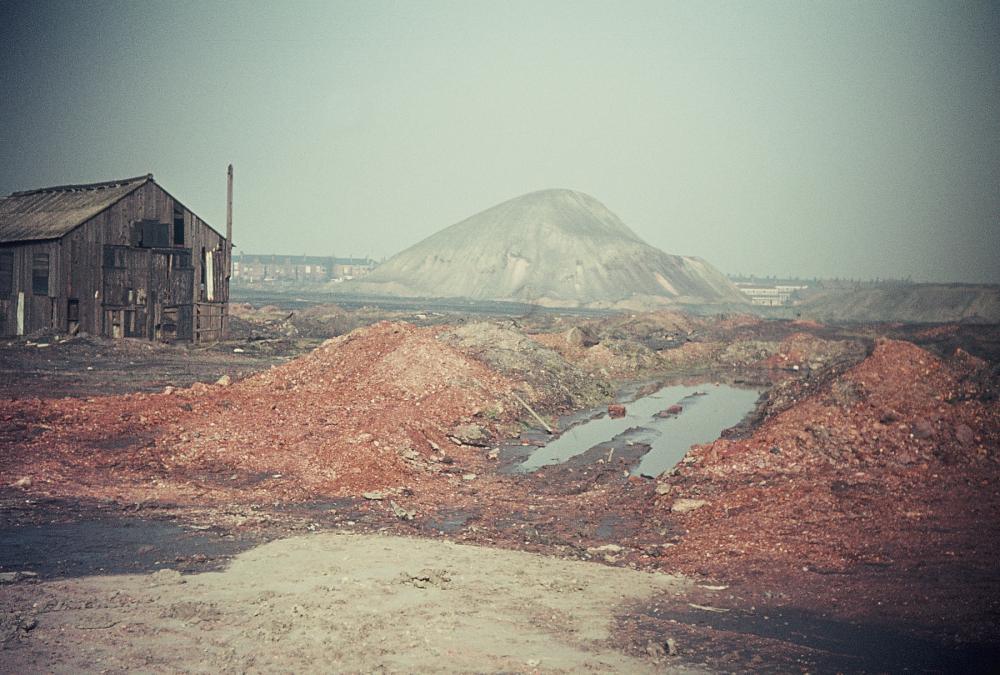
(229, 251)
(229, 210)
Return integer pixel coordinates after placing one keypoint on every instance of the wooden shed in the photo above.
(122, 258)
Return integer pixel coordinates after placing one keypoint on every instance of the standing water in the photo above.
(704, 415)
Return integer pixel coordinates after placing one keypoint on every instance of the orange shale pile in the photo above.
(362, 412)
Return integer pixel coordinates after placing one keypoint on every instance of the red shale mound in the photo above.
(891, 465)
(362, 412)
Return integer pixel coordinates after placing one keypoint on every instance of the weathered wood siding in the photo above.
(156, 277)
(38, 309)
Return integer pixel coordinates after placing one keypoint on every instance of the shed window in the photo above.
(178, 227)
(152, 234)
(40, 274)
(6, 274)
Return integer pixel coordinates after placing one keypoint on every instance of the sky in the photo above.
(805, 138)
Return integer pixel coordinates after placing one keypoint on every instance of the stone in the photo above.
(922, 428)
(616, 410)
(663, 488)
(684, 505)
(374, 496)
(580, 336)
(606, 548)
(23, 482)
(493, 454)
(224, 381)
(964, 434)
(400, 512)
(469, 476)
(655, 650)
(469, 434)
(14, 577)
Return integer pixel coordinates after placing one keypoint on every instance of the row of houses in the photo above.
(776, 295)
(264, 269)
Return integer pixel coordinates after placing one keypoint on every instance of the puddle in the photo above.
(706, 410)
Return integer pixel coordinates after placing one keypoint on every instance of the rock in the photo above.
(606, 548)
(400, 512)
(493, 454)
(684, 505)
(663, 488)
(655, 650)
(671, 411)
(28, 624)
(168, 390)
(23, 482)
(469, 434)
(922, 428)
(964, 434)
(658, 650)
(14, 577)
(469, 476)
(426, 578)
(580, 336)
(238, 350)
(616, 410)
(224, 381)
(374, 496)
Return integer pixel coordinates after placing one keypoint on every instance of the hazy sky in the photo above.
(806, 138)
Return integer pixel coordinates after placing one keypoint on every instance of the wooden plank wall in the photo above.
(38, 309)
(76, 268)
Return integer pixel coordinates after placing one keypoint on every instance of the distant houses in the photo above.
(776, 295)
(270, 269)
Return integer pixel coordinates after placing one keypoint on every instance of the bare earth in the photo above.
(337, 602)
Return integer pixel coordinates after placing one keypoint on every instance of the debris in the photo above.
(400, 512)
(706, 608)
(426, 578)
(14, 577)
(533, 413)
(606, 548)
(684, 505)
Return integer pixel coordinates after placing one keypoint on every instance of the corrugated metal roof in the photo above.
(49, 213)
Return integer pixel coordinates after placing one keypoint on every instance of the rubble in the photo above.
(867, 476)
(859, 475)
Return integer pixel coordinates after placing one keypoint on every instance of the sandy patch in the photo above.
(335, 602)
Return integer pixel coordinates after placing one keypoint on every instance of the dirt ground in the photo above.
(357, 603)
(848, 524)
